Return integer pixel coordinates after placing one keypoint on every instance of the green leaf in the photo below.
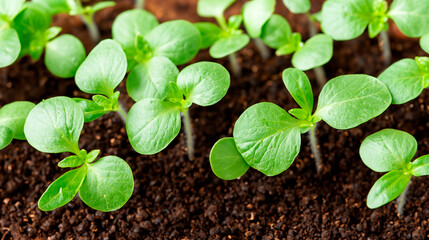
(387, 150)
(226, 46)
(298, 85)
(177, 40)
(404, 79)
(6, 136)
(64, 55)
(346, 19)
(424, 43)
(234, 22)
(152, 124)
(256, 13)
(54, 126)
(13, 116)
(11, 8)
(387, 188)
(92, 156)
(210, 33)
(420, 167)
(102, 101)
(9, 47)
(276, 32)
(103, 69)
(350, 100)
(52, 32)
(130, 24)
(300, 113)
(91, 110)
(102, 5)
(108, 185)
(298, 6)
(268, 138)
(226, 161)
(62, 190)
(152, 79)
(213, 8)
(204, 83)
(292, 46)
(54, 6)
(71, 161)
(411, 16)
(317, 51)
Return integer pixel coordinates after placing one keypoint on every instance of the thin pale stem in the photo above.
(235, 66)
(311, 25)
(313, 145)
(188, 133)
(385, 45)
(222, 22)
(140, 4)
(92, 28)
(402, 199)
(319, 71)
(262, 48)
(122, 113)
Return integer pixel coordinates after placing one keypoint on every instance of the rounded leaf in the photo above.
(404, 79)
(103, 70)
(108, 185)
(6, 136)
(13, 116)
(64, 55)
(213, 8)
(255, 14)
(387, 188)
(55, 125)
(152, 124)
(420, 167)
(9, 47)
(317, 51)
(177, 40)
(276, 32)
(350, 100)
(424, 43)
(298, 6)
(298, 85)
(411, 16)
(268, 138)
(210, 33)
(226, 161)
(152, 79)
(204, 83)
(387, 150)
(229, 45)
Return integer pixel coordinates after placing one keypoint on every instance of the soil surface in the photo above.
(178, 198)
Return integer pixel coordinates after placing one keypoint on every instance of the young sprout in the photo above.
(9, 40)
(269, 139)
(12, 119)
(314, 53)
(424, 43)
(391, 151)
(255, 14)
(347, 19)
(101, 72)
(225, 40)
(54, 126)
(154, 121)
(406, 78)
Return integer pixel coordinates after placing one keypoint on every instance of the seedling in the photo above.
(154, 121)
(101, 72)
(12, 119)
(406, 78)
(255, 14)
(391, 151)
(142, 38)
(314, 53)
(75, 7)
(424, 42)
(347, 19)
(54, 126)
(268, 138)
(225, 39)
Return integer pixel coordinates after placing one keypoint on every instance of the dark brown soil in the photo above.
(178, 198)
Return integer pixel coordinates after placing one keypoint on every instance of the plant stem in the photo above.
(188, 133)
(313, 145)
(235, 66)
(311, 25)
(319, 71)
(92, 27)
(222, 22)
(385, 45)
(140, 4)
(402, 199)
(122, 113)
(262, 48)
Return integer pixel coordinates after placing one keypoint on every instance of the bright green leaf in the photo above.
(298, 6)
(411, 16)
(317, 51)
(71, 161)
(226, 161)
(298, 85)
(13, 116)
(420, 167)
(276, 32)
(102, 101)
(213, 8)
(210, 33)
(424, 42)
(226, 46)
(9, 47)
(256, 13)
(102, 5)
(91, 110)
(92, 156)
(6, 136)
(234, 22)
(11, 8)
(55, 6)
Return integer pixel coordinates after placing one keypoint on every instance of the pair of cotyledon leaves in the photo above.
(54, 126)
(268, 139)
(391, 151)
(347, 19)
(12, 119)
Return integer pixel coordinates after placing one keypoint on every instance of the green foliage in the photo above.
(411, 16)
(154, 121)
(225, 160)
(406, 78)
(298, 6)
(424, 42)
(268, 138)
(213, 8)
(255, 14)
(317, 51)
(54, 6)
(9, 40)
(391, 151)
